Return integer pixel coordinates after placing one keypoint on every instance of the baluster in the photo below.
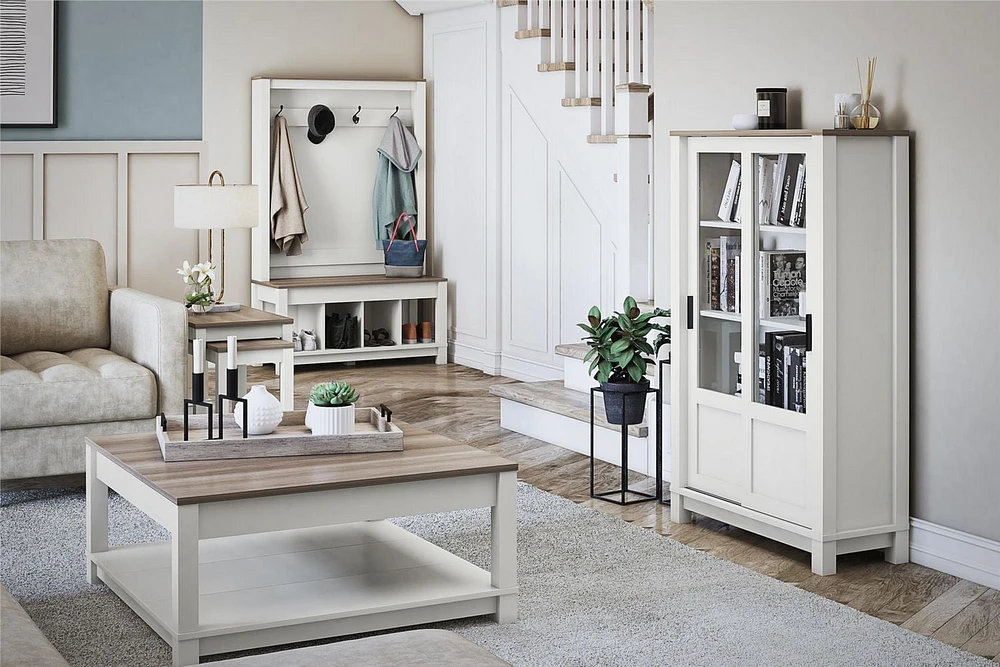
(635, 41)
(607, 67)
(534, 13)
(621, 42)
(594, 51)
(647, 44)
(543, 14)
(556, 25)
(580, 48)
(569, 30)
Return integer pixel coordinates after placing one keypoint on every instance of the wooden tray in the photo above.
(291, 438)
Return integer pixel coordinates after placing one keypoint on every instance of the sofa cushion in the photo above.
(23, 643)
(54, 296)
(80, 387)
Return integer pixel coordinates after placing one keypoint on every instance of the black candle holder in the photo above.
(196, 401)
(231, 383)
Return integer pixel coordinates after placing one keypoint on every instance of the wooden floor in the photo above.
(453, 401)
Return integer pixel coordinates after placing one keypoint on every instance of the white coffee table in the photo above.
(272, 551)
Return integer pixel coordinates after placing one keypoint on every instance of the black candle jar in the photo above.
(771, 108)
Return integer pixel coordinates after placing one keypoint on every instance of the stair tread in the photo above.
(552, 396)
(567, 66)
(533, 32)
(581, 101)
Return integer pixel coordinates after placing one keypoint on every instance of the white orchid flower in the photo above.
(185, 272)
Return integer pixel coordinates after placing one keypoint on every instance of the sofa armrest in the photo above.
(152, 331)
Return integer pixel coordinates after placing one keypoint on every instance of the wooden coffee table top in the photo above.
(244, 317)
(425, 456)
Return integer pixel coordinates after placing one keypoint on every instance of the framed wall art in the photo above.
(28, 63)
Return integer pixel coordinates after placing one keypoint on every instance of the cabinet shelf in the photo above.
(722, 315)
(788, 323)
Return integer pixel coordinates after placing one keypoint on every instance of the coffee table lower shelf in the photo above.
(295, 585)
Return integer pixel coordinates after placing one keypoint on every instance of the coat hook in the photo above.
(395, 112)
(280, 109)
(356, 117)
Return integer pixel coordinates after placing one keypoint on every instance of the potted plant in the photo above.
(618, 344)
(199, 295)
(331, 408)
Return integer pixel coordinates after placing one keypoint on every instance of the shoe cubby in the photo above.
(417, 311)
(310, 317)
(343, 324)
(383, 316)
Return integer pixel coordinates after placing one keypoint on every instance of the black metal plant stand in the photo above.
(624, 490)
(661, 367)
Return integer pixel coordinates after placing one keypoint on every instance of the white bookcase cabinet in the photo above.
(834, 479)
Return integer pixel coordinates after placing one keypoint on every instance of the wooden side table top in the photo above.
(245, 316)
(425, 456)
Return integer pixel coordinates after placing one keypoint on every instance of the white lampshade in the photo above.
(215, 206)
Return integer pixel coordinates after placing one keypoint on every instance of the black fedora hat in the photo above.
(321, 123)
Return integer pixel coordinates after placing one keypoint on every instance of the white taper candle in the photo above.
(231, 352)
(199, 355)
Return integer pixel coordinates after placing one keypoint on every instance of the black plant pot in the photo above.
(625, 402)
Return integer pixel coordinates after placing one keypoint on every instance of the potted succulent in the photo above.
(331, 408)
(618, 355)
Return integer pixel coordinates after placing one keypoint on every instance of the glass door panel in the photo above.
(720, 191)
(779, 277)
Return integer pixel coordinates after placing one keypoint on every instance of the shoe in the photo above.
(409, 333)
(296, 341)
(369, 341)
(426, 332)
(309, 341)
(381, 337)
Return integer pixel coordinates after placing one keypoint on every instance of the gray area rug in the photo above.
(595, 590)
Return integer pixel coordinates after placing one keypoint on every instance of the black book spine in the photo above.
(769, 368)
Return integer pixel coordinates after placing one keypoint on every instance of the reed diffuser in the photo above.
(866, 116)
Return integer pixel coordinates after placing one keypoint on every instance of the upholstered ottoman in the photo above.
(414, 648)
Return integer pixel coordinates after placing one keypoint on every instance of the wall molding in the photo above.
(955, 552)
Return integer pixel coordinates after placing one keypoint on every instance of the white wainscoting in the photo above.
(961, 554)
(120, 193)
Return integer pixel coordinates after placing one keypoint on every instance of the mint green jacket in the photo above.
(395, 191)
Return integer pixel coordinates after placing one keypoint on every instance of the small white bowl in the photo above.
(744, 121)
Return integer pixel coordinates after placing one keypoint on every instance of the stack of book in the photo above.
(782, 370)
(781, 193)
(722, 273)
(782, 275)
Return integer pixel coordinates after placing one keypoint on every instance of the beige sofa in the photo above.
(22, 644)
(77, 358)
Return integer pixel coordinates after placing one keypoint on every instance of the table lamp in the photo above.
(216, 207)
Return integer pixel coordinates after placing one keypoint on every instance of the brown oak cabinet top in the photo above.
(245, 316)
(425, 456)
(344, 281)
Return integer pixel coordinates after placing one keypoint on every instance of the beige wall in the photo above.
(937, 75)
(367, 39)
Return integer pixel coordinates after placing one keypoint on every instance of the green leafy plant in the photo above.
(333, 394)
(200, 299)
(619, 341)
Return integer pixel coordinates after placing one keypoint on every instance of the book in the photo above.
(729, 251)
(779, 177)
(729, 194)
(782, 277)
(761, 374)
(765, 185)
(786, 192)
(779, 360)
(739, 294)
(769, 379)
(712, 286)
(796, 375)
(799, 199)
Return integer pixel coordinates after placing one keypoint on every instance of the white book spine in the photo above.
(739, 294)
(779, 177)
(797, 203)
(726, 207)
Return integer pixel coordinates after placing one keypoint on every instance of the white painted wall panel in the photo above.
(580, 261)
(16, 197)
(81, 201)
(527, 261)
(156, 247)
(462, 222)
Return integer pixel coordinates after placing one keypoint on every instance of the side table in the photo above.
(248, 325)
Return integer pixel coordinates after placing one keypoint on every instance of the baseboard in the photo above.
(474, 357)
(954, 552)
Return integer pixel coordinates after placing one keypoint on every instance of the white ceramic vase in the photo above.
(263, 410)
(328, 420)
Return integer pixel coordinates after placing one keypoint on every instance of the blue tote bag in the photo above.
(404, 259)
